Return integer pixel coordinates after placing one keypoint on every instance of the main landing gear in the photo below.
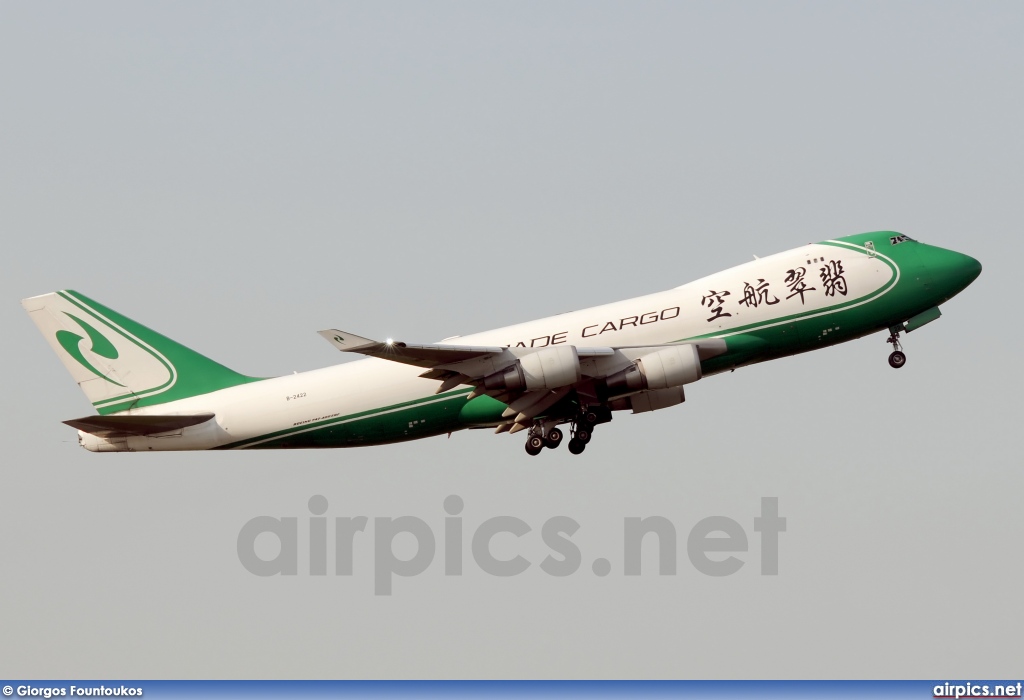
(582, 432)
(897, 358)
(539, 439)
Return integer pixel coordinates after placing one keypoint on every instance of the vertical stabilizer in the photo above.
(121, 364)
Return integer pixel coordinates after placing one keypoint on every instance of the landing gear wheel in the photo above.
(553, 439)
(534, 444)
(583, 435)
(590, 417)
(897, 359)
(576, 447)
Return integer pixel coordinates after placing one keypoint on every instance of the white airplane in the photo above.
(576, 368)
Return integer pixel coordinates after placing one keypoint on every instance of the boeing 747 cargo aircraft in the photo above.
(575, 369)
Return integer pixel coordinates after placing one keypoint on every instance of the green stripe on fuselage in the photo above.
(433, 415)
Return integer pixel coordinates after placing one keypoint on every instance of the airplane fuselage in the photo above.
(799, 300)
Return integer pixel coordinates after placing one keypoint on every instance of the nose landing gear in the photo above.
(897, 358)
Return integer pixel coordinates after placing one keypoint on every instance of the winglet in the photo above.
(347, 342)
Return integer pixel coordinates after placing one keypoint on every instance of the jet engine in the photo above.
(669, 367)
(547, 368)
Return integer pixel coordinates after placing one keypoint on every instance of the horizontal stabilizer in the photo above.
(136, 425)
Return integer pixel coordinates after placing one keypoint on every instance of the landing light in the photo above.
(390, 341)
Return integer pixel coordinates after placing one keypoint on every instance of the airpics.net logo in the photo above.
(715, 545)
(977, 690)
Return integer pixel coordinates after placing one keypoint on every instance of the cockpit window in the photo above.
(896, 240)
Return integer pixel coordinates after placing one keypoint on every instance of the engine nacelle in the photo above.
(548, 368)
(669, 367)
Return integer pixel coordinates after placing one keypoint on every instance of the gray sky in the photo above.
(240, 175)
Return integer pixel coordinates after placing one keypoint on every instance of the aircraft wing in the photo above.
(445, 362)
(418, 355)
(494, 370)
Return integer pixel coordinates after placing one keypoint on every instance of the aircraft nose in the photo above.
(952, 272)
(972, 268)
(964, 268)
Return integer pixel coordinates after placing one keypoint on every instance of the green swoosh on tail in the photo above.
(100, 345)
